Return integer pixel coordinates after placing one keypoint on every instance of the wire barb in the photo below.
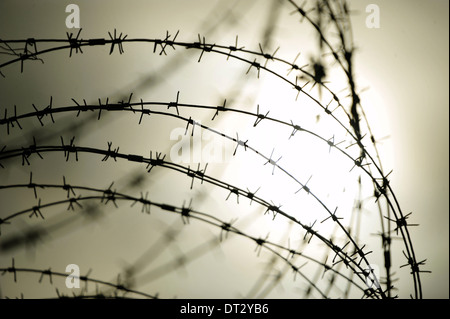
(33, 185)
(256, 65)
(414, 265)
(251, 195)
(199, 173)
(266, 55)
(296, 128)
(111, 153)
(186, 212)
(74, 42)
(205, 47)
(158, 161)
(26, 152)
(298, 87)
(233, 190)
(272, 162)
(70, 148)
(225, 228)
(309, 231)
(274, 209)
(220, 108)
(68, 188)
(239, 143)
(11, 269)
(401, 222)
(109, 195)
(332, 216)
(116, 40)
(174, 104)
(234, 48)
(259, 243)
(259, 116)
(305, 187)
(36, 210)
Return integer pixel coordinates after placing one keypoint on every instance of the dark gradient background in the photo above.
(403, 64)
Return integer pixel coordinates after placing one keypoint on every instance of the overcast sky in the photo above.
(403, 64)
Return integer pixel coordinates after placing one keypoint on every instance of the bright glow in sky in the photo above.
(401, 70)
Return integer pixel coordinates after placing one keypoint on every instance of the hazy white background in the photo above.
(404, 63)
